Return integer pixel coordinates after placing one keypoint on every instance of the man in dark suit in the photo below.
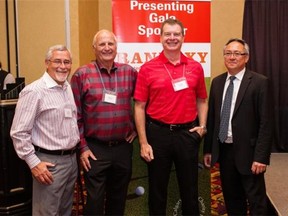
(244, 151)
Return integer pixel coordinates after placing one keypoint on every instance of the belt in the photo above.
(108, 143)
(173, 126)
(56, 152)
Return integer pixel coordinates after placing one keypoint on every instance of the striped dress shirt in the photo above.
(45, 116)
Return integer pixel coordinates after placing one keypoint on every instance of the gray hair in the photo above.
(56, 48)
(241, 41)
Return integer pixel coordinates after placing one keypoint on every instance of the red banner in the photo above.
(136, 24)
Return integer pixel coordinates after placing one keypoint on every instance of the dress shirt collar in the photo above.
(51, 83)
(102, 68)
(239, 75)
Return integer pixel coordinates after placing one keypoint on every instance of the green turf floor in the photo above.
(138, 205)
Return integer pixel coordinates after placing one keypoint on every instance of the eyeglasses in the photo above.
(236, 54)
(59, 62)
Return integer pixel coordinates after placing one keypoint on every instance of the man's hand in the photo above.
(42, 174)
(201, 130)
(147, 152)
(258, 168)
(84, 159)
(207, 160)
(131, 137)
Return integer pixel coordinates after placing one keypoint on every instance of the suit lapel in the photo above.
(243, 87)
(221, 89)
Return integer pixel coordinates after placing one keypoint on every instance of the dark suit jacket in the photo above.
(252, 121)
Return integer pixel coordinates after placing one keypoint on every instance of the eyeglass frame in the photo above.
(59, 62)
(236, 54)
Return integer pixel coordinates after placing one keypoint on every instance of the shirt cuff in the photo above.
(32, 160)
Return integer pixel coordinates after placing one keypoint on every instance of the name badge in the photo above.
(109, 97)
(180, 84)
(68, 113)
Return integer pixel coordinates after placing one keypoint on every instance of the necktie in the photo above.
(225, 113)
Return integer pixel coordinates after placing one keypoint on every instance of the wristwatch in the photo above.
(204, 128)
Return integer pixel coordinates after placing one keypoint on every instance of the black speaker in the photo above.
(15, 175)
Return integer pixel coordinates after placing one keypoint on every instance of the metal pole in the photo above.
(7, 34)
(67, 24)
(16, 39)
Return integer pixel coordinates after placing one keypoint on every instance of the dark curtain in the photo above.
(265, 29)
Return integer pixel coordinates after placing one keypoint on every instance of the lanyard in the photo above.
(102, 79)
(183, 74)
(179, 83)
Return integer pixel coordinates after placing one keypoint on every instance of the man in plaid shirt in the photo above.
(103, 90)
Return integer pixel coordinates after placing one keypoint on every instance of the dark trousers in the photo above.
(107, 181)
(181, 148)
(239, 190)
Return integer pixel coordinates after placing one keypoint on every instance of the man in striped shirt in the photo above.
(103, 90)
(45, 134)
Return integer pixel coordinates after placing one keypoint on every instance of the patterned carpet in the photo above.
(79, 197)
(217, 200)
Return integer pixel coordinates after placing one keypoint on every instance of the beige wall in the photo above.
(42, 24)
(3, 35)
(226, 23)
(88, 26)
(105, 14)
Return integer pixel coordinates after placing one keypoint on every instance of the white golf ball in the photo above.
(139, 191)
